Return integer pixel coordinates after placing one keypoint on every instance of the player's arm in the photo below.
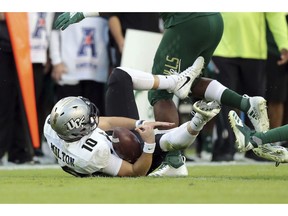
(143, 164)
(68, 18)
(116, 31)
(278, 26)
(109, 123)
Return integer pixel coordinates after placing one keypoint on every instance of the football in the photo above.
(126, 144)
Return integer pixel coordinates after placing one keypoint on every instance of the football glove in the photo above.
(68, 18)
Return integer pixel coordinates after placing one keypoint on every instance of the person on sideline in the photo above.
(238, 59)
(80, 60)
(15, 140)
(277, 81)
(40, 27)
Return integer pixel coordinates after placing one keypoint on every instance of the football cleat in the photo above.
(276, 153)
(166, 169)
(257, 113)
(241, 131)
(187, 77)
(206, 109)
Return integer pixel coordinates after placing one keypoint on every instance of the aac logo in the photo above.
(40, 25)
(75, 123)
(88, 42)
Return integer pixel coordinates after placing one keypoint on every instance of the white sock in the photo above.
(214, 91)
(167, 82)
(197, 122)
(177, 139)
(141, 80)
(145, 80)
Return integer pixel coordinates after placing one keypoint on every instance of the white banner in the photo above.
(138, 53)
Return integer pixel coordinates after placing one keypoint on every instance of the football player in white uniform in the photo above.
(77, 136)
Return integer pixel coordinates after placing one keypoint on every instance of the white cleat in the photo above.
(258, 113)
(187, 77)
(276, 153)
(166, 170)
(241, 131)
(206, 109)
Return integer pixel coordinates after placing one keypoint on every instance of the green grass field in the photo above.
(221, 184)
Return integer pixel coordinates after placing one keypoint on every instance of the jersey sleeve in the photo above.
(113, 166)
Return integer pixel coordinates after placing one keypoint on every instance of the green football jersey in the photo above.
(171, 19)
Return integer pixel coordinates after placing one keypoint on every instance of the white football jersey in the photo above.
(92, 153)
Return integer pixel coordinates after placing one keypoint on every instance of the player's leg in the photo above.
(181, 45)
(177, 83)
(254, 107)
(119, 98)
(276, 96)
(182, 137)
(247, 139)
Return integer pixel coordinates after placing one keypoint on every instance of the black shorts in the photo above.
(277, 80)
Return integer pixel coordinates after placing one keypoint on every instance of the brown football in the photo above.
(126, 144)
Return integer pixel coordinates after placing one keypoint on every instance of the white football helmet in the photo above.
(74, 117)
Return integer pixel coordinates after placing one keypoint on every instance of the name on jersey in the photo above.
(62, 155)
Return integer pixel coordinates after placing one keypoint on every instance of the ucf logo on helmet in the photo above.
(75, 123)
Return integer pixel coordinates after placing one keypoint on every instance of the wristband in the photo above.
(139, 122)
(149, 147)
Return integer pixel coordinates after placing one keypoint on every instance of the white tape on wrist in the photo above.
(149, 147)
(139, 122)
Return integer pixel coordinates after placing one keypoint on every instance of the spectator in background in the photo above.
(277, 82)
(40, 26)
(14, 133)
(120, 22)
(240, 57)
(80, 60)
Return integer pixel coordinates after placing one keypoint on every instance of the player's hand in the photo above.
(284, 57)
(147, 133)
(68, 18)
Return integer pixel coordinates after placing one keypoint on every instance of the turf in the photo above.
(221, 184)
